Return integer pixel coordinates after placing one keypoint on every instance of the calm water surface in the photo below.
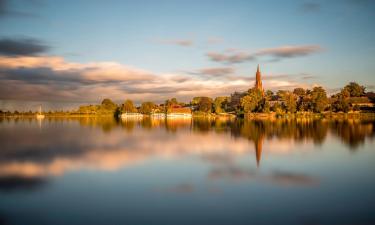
(102, 171)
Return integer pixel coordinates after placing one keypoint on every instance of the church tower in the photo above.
(258, 80)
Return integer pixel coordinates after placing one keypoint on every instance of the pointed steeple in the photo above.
(258, 80)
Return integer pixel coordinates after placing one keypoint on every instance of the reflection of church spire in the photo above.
(258, 149)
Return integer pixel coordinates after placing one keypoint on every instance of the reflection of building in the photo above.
(258, 149)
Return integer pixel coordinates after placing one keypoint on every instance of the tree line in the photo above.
(252, 101)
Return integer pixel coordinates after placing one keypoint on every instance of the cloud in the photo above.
(216, 71)
(41, 78)
(180, 42)
(308, 7)
(214, 40)
(5, 10)
(21, 47)
(53, 79)
(289, 51)
(236, 57)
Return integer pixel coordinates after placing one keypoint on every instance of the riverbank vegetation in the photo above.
(350, 100)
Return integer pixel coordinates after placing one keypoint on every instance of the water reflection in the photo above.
(64, 144)
(218, 152)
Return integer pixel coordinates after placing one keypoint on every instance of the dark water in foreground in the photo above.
(99, 171)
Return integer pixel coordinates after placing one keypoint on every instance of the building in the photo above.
(179, 112)
(258, 80)
(235, 98)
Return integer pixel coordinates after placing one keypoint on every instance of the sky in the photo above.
(65, 53)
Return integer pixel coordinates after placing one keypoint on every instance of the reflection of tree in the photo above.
(353, 133)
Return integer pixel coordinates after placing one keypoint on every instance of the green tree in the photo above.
(128, 107)
(300, 92)
(220, 104)
(253, 101)
(108, 105)
(341, 104)
(289, 100)
(205, 104)
(147, 107)
(355, 90)
(319, 99)
(269, 95)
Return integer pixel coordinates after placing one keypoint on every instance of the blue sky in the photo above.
(300, 43)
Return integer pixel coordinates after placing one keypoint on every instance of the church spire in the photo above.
(258, 80)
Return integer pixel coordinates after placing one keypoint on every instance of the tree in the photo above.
(355, 89)
(341, 104)
(147, 107)
(253, 101)
(319, 99)
(128, 107)
(107, 104)
(205, 104)
(302, 98)
(220, 104)
(170, 103)
(300, 92)
(269, 95)
(289, 100)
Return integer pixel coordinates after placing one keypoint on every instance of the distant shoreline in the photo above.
(249, 116)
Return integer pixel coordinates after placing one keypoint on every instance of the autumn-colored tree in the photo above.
(354, 89)
(147, 107)
(253, 101)
(319, 99)
(128, 107)
(220, 104)
(289, 100)
(205, 104)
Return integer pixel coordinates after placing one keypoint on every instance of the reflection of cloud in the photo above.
(22, 46)
(231, 172)
(236, 173)
(308, 7)
(287, 178)
(11, 183)
(180, 188)
(104, 152)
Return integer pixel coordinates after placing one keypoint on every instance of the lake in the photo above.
(183, 171)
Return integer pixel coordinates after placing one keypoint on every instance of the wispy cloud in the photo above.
(214, 40)
(45, 78)
(239, 56)
(229, 57)
(22, 46)
(179, 42)
(6, 11)
(290, 51)
(215, 71)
